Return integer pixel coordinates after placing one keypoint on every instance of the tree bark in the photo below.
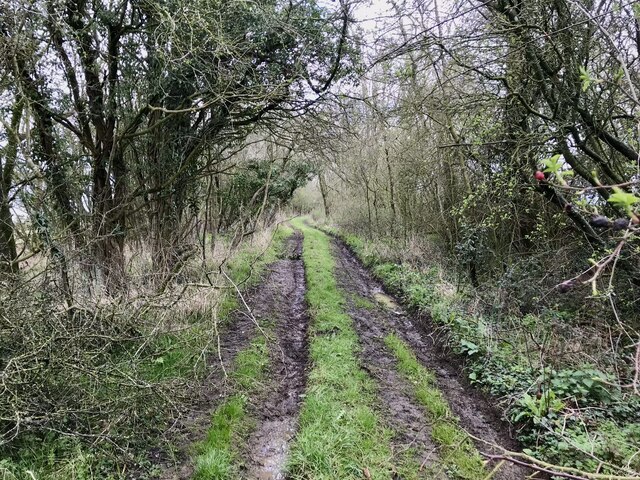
(8, 250)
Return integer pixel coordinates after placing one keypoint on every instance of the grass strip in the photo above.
(340, 435)
(458, 453)
(230, 424)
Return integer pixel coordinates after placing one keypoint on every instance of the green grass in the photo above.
(340, 434)
(217, 460)
(230, 424)
(250, 365)
(362, 302)
(457, 451)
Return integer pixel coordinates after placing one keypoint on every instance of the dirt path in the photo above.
(192, 426)
(281, 300)
(384, 315)
(278, 301)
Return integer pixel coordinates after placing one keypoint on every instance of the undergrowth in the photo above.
(87, 394)
(570, 414)
(340, 434)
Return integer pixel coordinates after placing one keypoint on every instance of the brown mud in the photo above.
(384, 316)
(279, 301)
(282, 301)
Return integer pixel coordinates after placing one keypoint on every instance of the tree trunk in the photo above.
(8, 251)
(325, 194)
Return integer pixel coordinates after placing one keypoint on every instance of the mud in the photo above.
(476, 414)
(282, 301)
(278, 300)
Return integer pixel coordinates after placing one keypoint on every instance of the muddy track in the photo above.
(412, 432)
(281, 300)
(372, 324)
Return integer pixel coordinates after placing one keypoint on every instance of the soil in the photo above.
(476, 414)
(282, 301)
(279, 303)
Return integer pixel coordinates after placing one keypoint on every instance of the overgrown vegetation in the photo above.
(143, 145)
(340, 434)
(487, 151)
(566, 412)
(148, 363)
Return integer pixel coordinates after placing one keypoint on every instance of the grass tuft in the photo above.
(457, 452)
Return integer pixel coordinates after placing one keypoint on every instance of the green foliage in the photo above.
(586, 386)
(240, 194)
(535, 408)
(578, 412)
(557, 166)
(623, 200)
(585, 78)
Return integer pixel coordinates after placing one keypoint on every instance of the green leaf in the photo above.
(585, 78)
(624, 200)
(553, 164)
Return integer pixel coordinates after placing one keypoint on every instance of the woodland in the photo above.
(308, 239)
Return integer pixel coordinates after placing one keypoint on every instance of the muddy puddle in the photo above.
(385, 315)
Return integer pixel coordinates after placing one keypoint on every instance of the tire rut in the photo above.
(476, 414)
(234, 336)
(281, 301)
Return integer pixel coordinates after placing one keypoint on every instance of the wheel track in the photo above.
(281, 300)
(476, 414)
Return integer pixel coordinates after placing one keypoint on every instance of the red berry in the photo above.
(539, 176)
